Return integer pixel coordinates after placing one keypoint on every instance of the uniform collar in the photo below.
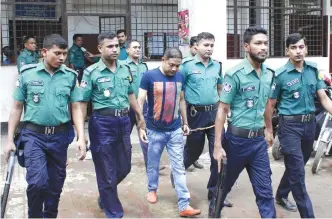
(248, 68)
(197, 60)
(41, 66)
(30, 53)
(124, 45)
(290, 67)
(102, 66)
(76, 46)
(129, 60)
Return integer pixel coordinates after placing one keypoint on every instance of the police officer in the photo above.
(108, 84)
(192, 48)
(137, 68)
(30, 54)
(122, 37)
(77, 56)
(203, 80)
(295, 86)
(45, 89)
(245, 92)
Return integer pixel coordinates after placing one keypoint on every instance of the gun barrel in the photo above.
(220, 191)
(9, 176)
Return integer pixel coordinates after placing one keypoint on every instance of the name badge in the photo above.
(102, 80)
(292, 82)
(250, 88)
(36, 83)
(196, 72)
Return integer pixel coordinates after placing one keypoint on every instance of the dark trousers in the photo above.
(45, 162)
(133, 122)
(111, 153)
(250, 154)
(296, 140)
(196, 140)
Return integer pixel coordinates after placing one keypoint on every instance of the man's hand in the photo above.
(219, 154)
(142, 135)
(81, 146)
(185, 129)
(269, 137)
(9, 147)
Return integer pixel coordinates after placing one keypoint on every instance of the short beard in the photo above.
(256, 58)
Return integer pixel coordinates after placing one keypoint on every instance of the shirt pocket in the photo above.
(250, 95)
(294, 91)
(105, 87)
(36, 95)
(62, 95)
(195, 78)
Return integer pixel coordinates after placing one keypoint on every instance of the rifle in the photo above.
(218, 198)
(9, 175)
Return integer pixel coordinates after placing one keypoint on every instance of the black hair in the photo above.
(77, 36)
(131, 41)
(251, 31)
(121, 31)
(204, 36)
(193, 40)
(294, 38)
(105, 35)
(54, 40)
(26, 38)
(172, 53)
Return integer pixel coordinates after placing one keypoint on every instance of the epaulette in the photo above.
(145, 65)
(220, 63)
(280, 70)
(187, 59)
(71, 70)
(90, 69)
(125, 65)
(26, 67)
(311, 64)
(234, 69)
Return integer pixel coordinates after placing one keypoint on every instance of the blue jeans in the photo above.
(174, 145)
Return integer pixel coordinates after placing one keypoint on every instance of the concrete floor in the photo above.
(78, 199)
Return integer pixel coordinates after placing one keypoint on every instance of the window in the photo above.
(152, 22)
(280, 18)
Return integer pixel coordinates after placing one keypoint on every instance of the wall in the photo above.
(8, 75)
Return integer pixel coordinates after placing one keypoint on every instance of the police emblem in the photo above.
(35, 98)
(84, 83)
(296, 95)
(227, 87)
(107, 93)
(250, 103)
(273, 87)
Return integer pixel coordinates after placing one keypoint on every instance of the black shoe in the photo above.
(101, 206)
(198, 165)
(172, 180)
(285, 203)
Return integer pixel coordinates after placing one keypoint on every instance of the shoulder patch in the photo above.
(90, 69)
(280, 70)
(26, 67)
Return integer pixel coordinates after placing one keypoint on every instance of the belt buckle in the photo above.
(253, 134)
(305, 118)
(208, 108)
(49, 130)
(117, 113)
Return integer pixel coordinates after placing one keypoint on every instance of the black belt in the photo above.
(201, 108)
(113, 112)
(47, 130)
(300, 118)
(245, 133)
